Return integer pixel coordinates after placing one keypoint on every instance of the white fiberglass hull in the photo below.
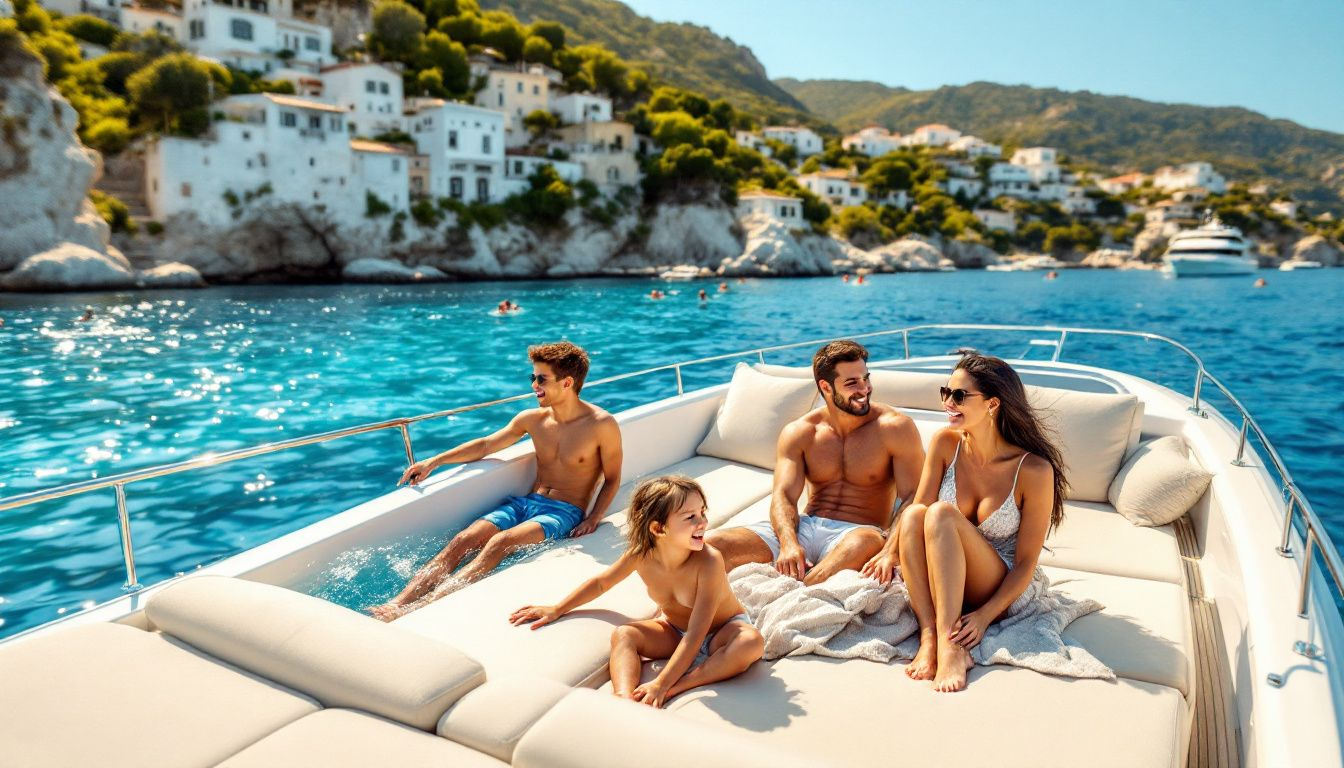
(1200, 265)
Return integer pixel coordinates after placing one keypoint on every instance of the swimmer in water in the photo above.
(1051, 275)
(844, 278)
(86, 317)
(723, 287)
(702, 295)
(859, 281)
(1261, 282)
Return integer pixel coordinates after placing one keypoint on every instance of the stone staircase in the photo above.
(124, 178)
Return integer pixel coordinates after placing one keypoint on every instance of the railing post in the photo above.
(905, 342)
(680, 391)
(1199, 385)
(1285, 548)
(1239, 461)
(1059, 347)
(1304, 590)
(127, 547)
(406, 443)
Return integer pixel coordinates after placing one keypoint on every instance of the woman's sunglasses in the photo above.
(957, 396)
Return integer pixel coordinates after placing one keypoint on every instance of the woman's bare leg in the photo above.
(915, 572)
(963, 569)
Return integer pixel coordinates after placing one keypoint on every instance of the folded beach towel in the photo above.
(852, 617)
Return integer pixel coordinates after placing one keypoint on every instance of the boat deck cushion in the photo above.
(1158, 483)
(1093, 537)
(344, 738)
(593, 729)
(847, 711)
(573, 650)
(107, 694)
(1092, 431)
(337, 656)
(754, 412)
(1144, 631)
(493, 717)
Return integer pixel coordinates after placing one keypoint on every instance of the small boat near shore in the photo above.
(1294, 265)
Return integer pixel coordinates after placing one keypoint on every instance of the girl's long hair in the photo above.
(1016, 420)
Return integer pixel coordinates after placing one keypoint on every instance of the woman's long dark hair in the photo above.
(1016, 419)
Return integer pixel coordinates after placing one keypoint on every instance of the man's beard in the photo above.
(844, 405)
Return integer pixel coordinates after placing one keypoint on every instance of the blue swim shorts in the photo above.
(557, 518)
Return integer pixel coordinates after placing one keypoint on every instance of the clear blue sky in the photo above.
(1283, 58)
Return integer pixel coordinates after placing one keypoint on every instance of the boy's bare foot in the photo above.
(387, 611)
(953, 664)
(925, 663)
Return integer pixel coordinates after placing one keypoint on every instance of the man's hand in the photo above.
(792, 561)
(586, 526)
(536, 615)
(882, 566)
(417, 472)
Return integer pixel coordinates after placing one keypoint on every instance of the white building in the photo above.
(465, 146)
(873, 141)
(785, 209)
(103, 9)
(975, 146)
(802, 139)
(1074, 200)
(370, 92)
(1168, 211)
(1120, 184)
(1011, 180)
(516, 93)
(836, 187)
(931, 135)
(605, 150)
(1040, 163)
(383, 170)
(139, 20)
(270, 148)
(261, 35)
(1286, 208)
(968, 188)
(995, 219)
(581, 107)
(1190, 175)
(752, 141)
(518, 170)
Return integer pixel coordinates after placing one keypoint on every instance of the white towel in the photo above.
(852, 617)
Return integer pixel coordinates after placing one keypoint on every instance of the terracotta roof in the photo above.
(360, 145)
(933, 127)
(1127, 178)
(833, 173)
(300, 103)
(353, 64)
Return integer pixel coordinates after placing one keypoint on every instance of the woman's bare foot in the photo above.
(387, 611)
(925, 663)
(953, 664)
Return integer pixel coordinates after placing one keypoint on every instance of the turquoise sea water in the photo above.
(162, 376)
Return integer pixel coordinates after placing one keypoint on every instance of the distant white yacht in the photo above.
(1211, 249)
(1289, 266)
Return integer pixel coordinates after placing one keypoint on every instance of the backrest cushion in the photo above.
(337, 656)
(755, 410)
(494, 717)
(1092, 431)
(903, 389)
(1158, 483)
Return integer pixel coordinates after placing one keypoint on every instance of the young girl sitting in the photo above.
(700, 616)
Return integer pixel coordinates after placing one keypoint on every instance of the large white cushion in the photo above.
(110, 695)
(1092, 432)
(341, 658)
(343, 738)
(856, 712)
(494, 717)
(903, 389)
(1158, 483)
(1094, 538)
(755, 410)
(592, 729)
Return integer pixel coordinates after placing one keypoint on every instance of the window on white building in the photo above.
(520, 86)
(312, 44)
(370, 86)
(455, 187)
(613, 174)
(482, 190)
(241, 29)
(315, 122)
(289, 119)
(186, 189)
(396, 164)
(452, 139)
(485, 144)
(197, 29)
(383, 89)
(536, 90)
(335, 123)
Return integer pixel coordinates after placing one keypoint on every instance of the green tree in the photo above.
(1032, 235)
(550, 31)
(504, 35)
(608, 73)
(887, 175)
(538, 50)
(450, 58)
(664, 99)
(430, 83)
(673, 128)
(435, 10)
(60, 52)
(91, 29)
(860, 226)
(539, 122)
(398, 30)
(465, 29)
(109, 135)
(165, 90)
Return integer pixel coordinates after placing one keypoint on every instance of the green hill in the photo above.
(684, 55)
(1109, 132)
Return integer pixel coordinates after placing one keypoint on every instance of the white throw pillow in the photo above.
(1092, 432)
(754, 412)
(1158, 483)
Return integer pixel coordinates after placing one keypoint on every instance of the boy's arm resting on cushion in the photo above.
(541, 615)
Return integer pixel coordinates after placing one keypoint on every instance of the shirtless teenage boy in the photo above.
(576, 444)
(857, 458)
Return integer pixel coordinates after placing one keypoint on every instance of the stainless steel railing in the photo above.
(1297, 507)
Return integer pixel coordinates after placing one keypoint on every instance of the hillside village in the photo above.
(523, 139)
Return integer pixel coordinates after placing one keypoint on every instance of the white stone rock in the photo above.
(174, 274)
(909, 254)
(70, 267)
(1317, 248)
(691, 234)
(772, 249)
(389, 271)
